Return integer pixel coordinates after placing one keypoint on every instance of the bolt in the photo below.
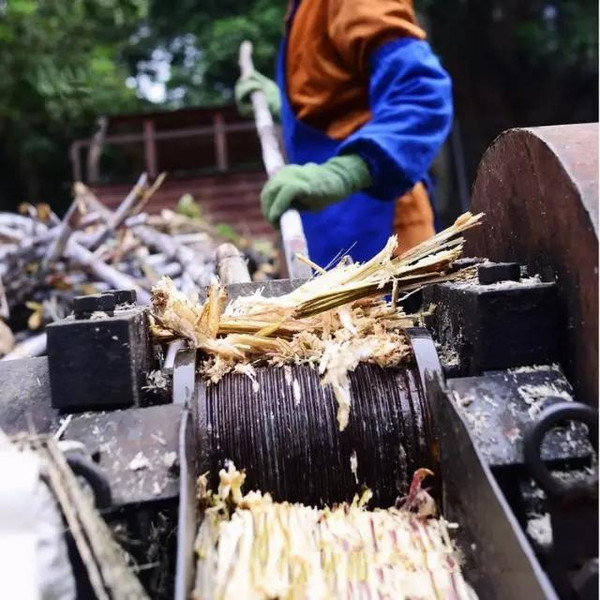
(124, 296)
(84, 306)
(489, 273)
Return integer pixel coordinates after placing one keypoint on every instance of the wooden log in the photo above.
(89, 199)
(292, 232)
(65, 229)
(148, 194)
(92, 218)
(95, 151)
(4, 308)
(7, 339)
(231, 265)
(24, 224)
(9, 234)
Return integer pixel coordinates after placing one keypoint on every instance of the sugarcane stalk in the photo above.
(292, 232)
(231, 265)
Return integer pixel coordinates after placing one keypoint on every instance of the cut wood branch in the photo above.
(105, 272)
(124, 210)
(65, 229)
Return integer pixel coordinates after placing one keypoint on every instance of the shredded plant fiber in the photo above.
(335, 321)
(251, 547)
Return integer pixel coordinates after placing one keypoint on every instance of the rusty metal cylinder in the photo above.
(539, 190)
(282, 430)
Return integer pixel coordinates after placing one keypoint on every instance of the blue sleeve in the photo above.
(410, 97)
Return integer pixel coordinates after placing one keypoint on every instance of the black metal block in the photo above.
(124, 296)
(498, 561)
(489, 273)
(138, 450)
(500, 406)
(498, 326)
(99, 363)
(85, 306)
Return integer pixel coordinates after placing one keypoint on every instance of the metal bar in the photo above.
(187, 518)
(220, 142)
(150, 148)
(172, 349)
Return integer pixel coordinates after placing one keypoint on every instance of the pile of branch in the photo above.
(336, 320)
(251, 547)
(46, 261)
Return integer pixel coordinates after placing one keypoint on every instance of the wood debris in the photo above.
(335, 321)
(251, 547)
(45, 261)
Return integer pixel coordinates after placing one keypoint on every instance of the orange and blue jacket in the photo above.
(358, 77)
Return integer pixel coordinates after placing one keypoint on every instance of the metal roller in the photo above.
(285, 433)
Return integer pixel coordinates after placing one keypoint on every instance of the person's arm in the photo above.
(410, 97)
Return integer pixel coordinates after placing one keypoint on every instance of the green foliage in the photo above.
(59, 69)
(227, 232)
(188, 207)
(203, 39)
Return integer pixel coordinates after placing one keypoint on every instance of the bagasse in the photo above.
(335, 320)
(251, 547)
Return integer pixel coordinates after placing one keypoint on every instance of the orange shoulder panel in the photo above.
(358, 27)
(329, 46)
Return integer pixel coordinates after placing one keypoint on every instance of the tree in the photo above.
(201, 39)
(59, 69)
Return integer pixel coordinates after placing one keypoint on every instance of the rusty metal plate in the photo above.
(138, 450)
(539, 190)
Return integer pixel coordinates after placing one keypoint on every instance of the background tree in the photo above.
(59, 68)
(200, 39)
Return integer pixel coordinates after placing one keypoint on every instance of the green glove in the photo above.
(313, 187)
(256, 81)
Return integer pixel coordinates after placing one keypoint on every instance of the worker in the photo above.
(364, 106)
